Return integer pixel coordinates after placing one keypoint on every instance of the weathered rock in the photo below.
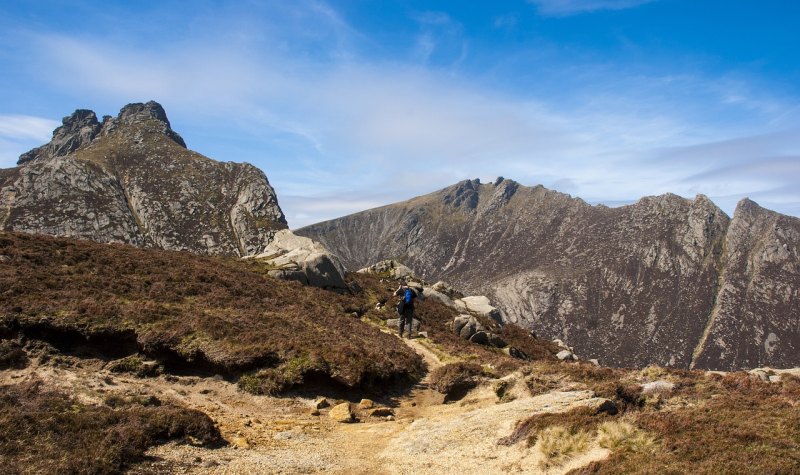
(131, 180)
(366, 404)
(321, 403)
(565, 355)
(594, 362)
(300, 258)
(390, 268)
(436, 295)
(657, 387)
(515, 353)
(756, 317)
(459, 322)
(77, 131)
(471, 327)
(760, 374)
(480, 305)
(341, 413)
(496, 341)
(480, 338)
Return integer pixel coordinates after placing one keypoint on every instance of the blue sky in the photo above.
(353, 104)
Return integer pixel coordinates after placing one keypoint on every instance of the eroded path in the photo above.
(280, 435)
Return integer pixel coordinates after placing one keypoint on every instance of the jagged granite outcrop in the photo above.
(632, 286)
(293, 257)
(131, 179)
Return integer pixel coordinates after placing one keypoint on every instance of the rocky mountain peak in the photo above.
(76, 131)
(746, 205)
(138, 112)
(124, 180)
(464, 195)
(81, 128)
(149, 115)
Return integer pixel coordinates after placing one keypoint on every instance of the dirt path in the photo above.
(280, 435)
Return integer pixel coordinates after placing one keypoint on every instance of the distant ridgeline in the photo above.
(131, 179)
(665, 281)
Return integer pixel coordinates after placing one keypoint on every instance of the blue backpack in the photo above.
(409, 297)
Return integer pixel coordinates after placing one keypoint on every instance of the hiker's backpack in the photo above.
(408, 298)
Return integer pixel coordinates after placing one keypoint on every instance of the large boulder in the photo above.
(299, 258)
(469, 328)
(430, 292)
(480, 305)
(466, 325)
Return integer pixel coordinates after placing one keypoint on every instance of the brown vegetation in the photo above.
(455, 379)
(722, 424)
(49, 432)
(581, 419)
(216, 314)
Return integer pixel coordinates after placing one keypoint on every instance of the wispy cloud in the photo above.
(20, 133)
(574, 7)
(25, 127)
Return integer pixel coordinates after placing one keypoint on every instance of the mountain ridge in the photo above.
(631, 285)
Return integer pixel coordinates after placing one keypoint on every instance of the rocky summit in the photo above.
(667, 280)
(131, 179)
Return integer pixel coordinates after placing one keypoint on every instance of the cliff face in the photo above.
(131, 179)
(661, 281)
(756, 319)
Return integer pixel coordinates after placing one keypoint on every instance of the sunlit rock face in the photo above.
(666, 280)
(131, 179)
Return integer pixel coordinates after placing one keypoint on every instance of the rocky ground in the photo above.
(418, 434)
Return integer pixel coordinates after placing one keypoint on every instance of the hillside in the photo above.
(665, 281)
(131, 179)
(120, 359)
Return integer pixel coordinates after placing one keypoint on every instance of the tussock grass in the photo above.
(557, 444)
(617, 435)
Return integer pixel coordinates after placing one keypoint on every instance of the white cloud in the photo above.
(25, 127)
(574, 7)
(20, 133)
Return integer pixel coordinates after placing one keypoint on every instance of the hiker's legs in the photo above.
(408, 316)
(402, 324)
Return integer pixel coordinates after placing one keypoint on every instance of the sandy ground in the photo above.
(280, 435)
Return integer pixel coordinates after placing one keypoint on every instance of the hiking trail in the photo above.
(280, 434)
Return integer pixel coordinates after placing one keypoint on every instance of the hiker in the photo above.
(406, 307)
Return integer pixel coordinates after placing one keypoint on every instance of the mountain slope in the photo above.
(131, 179)
(633, 285)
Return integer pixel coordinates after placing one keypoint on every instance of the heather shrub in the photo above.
(69, 437)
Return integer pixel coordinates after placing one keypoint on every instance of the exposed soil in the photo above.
(280, 434)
